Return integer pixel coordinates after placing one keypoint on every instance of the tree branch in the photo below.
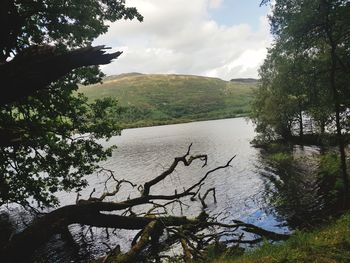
(92, 212)
(147, 186)
(35, 68)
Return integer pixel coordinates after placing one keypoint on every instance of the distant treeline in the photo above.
(245, 80)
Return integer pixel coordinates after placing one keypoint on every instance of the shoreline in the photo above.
(145, 124)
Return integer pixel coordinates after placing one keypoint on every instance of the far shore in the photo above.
(152, 123)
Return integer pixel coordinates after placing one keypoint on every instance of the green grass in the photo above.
(329, 244)
(163, 99)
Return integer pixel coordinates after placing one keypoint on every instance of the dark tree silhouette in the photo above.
(38, 66)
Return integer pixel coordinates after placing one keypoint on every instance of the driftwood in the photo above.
(190, 233)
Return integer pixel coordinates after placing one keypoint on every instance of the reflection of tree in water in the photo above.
(300, 186)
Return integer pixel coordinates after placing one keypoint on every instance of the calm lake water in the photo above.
(143, 153)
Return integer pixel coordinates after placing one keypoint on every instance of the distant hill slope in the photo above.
(162, 99)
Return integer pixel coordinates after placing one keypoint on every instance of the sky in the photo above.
(215, 38)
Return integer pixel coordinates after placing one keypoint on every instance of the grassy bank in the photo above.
(328, 244)
(148, 100)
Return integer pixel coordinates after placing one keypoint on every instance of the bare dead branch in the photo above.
(92, 192)
(204, 205)
(137, 247)
(187, 162)
(192, 234)
(187, 252)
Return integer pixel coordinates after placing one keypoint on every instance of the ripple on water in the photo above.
(143, 153)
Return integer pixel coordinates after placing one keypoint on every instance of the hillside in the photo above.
(161, 99)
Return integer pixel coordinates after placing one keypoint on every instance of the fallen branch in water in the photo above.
(159, 230)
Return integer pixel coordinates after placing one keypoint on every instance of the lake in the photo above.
(144, 153)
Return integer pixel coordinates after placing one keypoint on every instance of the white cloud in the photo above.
(215, 3)
(178, 36)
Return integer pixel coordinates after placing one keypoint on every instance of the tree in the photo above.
(38, 66)
(41, 114)
(319, 30)
(281, 99)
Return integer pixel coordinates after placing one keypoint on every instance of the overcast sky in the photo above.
(216, 38)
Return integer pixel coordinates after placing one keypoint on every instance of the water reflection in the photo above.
(296, 191)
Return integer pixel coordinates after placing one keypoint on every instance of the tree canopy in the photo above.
(65, 24)
(306, 74)
(49, 131)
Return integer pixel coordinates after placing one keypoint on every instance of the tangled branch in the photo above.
(158, 229)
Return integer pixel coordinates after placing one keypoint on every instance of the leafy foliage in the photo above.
(296, 76)
(305, 81)
(56, 128)
(67, 24)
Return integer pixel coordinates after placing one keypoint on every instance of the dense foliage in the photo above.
(66, 24)
(305, 78)
(56, 129)
(296, 76)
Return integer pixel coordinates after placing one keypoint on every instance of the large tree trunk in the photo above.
(42, 229)
(87, 214)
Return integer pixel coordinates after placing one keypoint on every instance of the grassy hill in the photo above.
(161, 99)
